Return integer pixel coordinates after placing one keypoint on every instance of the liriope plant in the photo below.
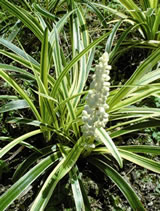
(144, 16)
(63, 111)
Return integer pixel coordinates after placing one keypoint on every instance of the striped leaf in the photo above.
(63, 167)
(25, 17)
(21, 185)
(12, 144)
(105, 138)
(121, 183)
(17, 88)
(14, 105)
(144, 68)
(76, 189)
(141, 161)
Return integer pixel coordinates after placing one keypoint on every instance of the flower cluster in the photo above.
(94, 114)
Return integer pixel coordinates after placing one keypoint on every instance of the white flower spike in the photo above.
(94, 114)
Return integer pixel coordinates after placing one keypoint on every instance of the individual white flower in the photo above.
(94, 114)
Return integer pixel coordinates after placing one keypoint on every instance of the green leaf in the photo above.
(44, 12)
(143, 149)
(30, 146)
(19, 120)
(83, 27)
(74, 60)
(12, 83)
(56, 175)
(5, 138)
(25, 17)
(45, 105)
(76, 189)
(15, 190)
(135, 127)
(156, 25)
(105, 138)
(144, 68)
(59, 26)
(25, 62)
(9, 146)
(8, 97)
(14, 30)
(14, 105)
(116, 52)
(134, 158)
(111, 37)
(141, 161)
(134, 112)
(114, 11)
(85, 197)
(17, 50)
(26, 164)
(139, 95)
(59, 67)
(44, 66)
(134, 10)
(153, 3)
(121, 183)
(23, 74)
(53, 4)
(97, 11)
(149, 77)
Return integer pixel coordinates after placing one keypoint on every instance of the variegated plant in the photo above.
(143, 15)
(59, 115)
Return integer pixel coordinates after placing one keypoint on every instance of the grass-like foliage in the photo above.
(144, 15)
(147, 15)
(59, 83)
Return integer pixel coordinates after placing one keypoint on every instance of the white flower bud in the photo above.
(106, 84)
